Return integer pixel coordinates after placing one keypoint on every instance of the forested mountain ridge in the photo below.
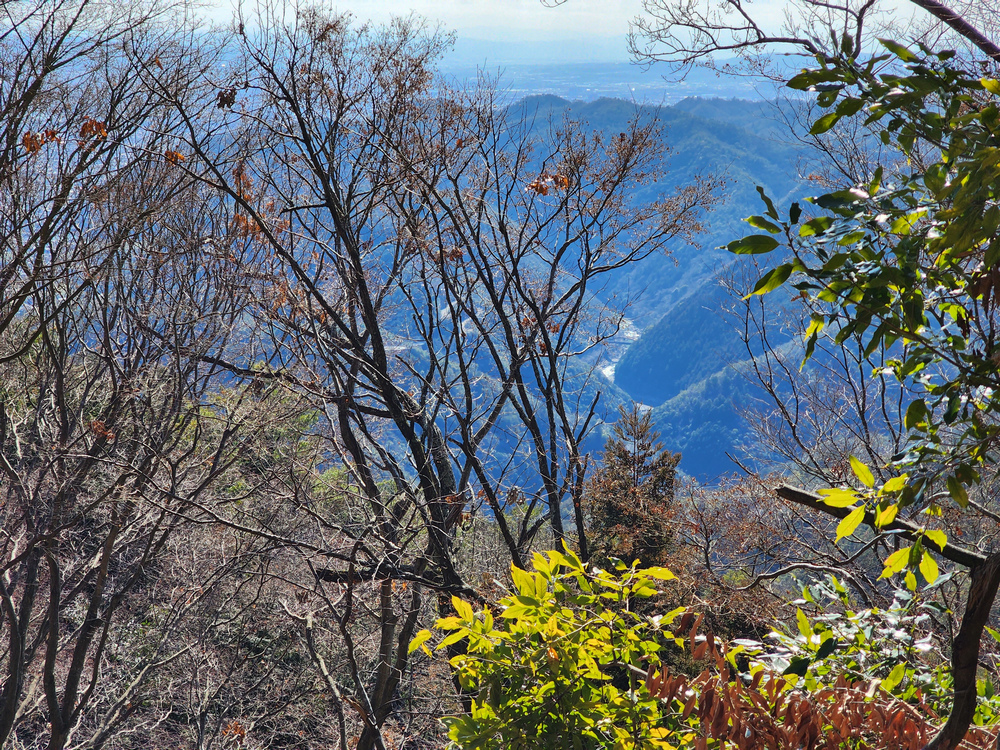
(309, 429)
(683, 343)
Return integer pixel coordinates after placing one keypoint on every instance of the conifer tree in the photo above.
(631, 492)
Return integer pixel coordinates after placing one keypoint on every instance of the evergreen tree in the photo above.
(631, 492)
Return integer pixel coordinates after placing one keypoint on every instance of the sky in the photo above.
(524, 31)
(515, 30)
(527, 20)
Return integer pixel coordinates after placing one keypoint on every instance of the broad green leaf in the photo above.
(850, 522)
(958, 492)
(886, 516)
(463, 608)
(895, 562)
(824, 123)
(938, 537)
(816, 226)
(894, 485)
(760, 222)
(990, 84)
(660, 574)
(827, 647)
(523, 581)
(754, 244)
(816, 323)
(798, 666)
(540, 563)
(453, 638)
(928, 567)
(772, 280)
(862, 472)
(916, 414)
(850, 107)
(838, 498)
(895, 677)
(419, 640)
(898, 50)
(904, 224)
(803, 622)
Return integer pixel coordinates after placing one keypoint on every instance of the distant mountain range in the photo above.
(683, 356)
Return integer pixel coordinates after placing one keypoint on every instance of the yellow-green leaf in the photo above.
(850, 522)
(824, 123)
(928, 567)
(991, 85)
(895, 562)
(661, 574)
(894, 485)
(761, 223)
(803, 622)
(419, 640)
(838, 498)
(887, 515)
(463, 608)
(522, 580)
(895, 677)
(938, 537)
(862, 472)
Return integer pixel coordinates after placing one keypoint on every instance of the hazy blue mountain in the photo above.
(682, 362)
(584, 72)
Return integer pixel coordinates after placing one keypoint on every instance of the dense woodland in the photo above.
(307, 436)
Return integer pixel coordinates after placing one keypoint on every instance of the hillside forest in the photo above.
(347, 404)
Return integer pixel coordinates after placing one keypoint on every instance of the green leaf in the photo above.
(991, 85)
(754, 244)
(957, 491)
(419, 640)
(463, 608)
(904, 224)
(760, 222)
(794, 213)
(772, 280)
(771, 211)
(838, 498)
(894, 485)
(895, 677)
(862, 472)
(898, 50)
(799, 666)
(895, 562)
(938, 537)
(928, 567)
(816, 226)
(803, 622)
(886, 516)
(850, 107)
(824, 123)
(827, 647)
(850, 522)
(523, 581)
(660, 574)
(816, 324)
(916, 413)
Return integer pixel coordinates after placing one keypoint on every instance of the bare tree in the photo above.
(683, 33)
(434, 270)
(110, 295)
